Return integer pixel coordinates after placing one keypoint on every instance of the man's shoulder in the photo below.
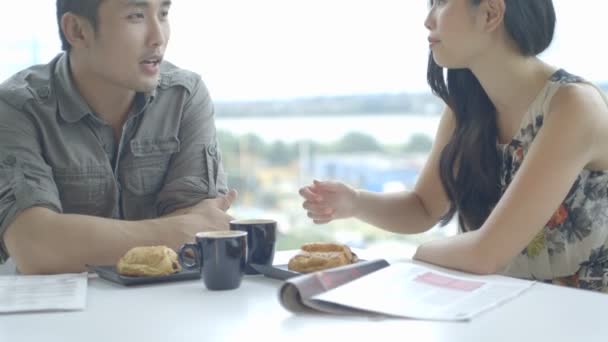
(173, 76)
(33, 83)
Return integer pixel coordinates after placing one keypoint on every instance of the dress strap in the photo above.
(560, 78)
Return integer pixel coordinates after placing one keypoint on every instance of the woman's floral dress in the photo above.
(572, 249)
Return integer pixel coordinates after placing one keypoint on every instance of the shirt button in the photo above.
(43, 92)
(10, 161)
(212, 150)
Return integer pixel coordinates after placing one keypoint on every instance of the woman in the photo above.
(520, 155)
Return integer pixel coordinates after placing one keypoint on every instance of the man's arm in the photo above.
(42, 241)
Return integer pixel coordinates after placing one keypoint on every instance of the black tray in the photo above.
(108, 272)
(280, 272)
(276, 271)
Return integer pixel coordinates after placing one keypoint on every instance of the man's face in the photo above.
(131, 39)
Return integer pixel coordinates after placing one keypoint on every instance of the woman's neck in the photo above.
(511, 81)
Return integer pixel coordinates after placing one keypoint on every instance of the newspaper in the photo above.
(60, 292)
(297, 294)
(405, 290)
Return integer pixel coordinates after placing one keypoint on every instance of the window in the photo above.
(314, 89)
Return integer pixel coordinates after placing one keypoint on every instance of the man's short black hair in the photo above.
(87, 9)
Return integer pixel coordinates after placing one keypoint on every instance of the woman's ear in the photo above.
(77, 30)
(493, 12)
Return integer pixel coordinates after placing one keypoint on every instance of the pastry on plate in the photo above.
(149, 261)
(320, 256)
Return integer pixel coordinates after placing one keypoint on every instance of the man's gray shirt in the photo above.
(56, 153)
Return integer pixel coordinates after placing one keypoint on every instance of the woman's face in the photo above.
(455, 32)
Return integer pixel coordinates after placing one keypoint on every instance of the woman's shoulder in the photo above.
(575, 90)
(576, 99)
(579, 110)
(568, 97)
(580, 95)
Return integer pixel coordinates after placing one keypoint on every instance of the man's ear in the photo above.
(77, 30)
(493, 12)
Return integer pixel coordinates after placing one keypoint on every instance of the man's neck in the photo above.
(109, 101)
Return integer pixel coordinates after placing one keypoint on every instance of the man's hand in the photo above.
(207, 215)
(213, 211)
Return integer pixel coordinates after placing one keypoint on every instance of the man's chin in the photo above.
(148, 86)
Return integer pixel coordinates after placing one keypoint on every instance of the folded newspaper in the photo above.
(31, 293)
(405, 290)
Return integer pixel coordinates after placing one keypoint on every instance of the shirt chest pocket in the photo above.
(83, 192)
(145, 173)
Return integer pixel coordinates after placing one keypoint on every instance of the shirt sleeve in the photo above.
(196, 172)
(26, 180)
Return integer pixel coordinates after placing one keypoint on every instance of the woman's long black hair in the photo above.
(469, 164)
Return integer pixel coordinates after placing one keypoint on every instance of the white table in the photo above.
(186, 311)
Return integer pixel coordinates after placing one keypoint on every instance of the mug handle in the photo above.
(197, 259)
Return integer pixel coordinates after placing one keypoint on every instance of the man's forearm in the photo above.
(42, 241)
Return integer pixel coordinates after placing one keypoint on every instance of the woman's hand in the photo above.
(328, 201)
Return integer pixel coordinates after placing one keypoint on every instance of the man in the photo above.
(107, 147)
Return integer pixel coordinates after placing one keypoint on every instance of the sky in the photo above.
(274, 49)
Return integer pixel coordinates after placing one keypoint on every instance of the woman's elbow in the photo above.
(488, 262)
(485, 268)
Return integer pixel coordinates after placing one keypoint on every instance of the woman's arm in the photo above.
(402, 212)
(571, 139)
(412, 211)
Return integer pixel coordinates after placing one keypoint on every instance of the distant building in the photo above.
(374, 172)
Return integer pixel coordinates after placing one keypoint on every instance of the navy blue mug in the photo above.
(261, 240)
(220, 255)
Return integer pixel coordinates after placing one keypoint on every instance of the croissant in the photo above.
(319, 256)
(149, 261)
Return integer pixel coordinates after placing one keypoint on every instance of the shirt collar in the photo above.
(72, 107)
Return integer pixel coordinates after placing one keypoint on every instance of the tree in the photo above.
(229, 144)
(252, 145)
(357, 142)
(419, 143)
(280, 153)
